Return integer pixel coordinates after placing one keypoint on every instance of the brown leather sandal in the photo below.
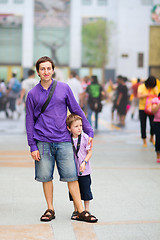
(74, 215)
(85, 216)
(48, 215)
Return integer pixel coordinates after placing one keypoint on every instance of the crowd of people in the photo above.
(14, 92)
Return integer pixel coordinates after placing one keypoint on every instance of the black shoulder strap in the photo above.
(78, 145)
(49, 96)
(48, 99)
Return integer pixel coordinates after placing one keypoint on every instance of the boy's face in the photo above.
(76, 128)
(45, 71)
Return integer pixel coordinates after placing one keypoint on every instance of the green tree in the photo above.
(95, 44)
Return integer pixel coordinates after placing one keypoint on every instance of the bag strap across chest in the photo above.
(78, 145)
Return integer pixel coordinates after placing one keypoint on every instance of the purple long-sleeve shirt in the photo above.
(51, 125)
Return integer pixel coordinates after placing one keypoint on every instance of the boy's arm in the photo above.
(83, 164)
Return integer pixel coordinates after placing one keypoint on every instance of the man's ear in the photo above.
(37, 73)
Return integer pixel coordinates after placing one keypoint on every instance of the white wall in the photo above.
(26, 10)
(129, 35)
(133, 37)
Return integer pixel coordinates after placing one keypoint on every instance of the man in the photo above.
(28, 84)
(49, 139)
(76, 87)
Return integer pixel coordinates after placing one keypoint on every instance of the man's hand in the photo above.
(36, 155)
(90, 141)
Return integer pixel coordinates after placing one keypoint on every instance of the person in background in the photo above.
(76, 87)
(115, 88)
(156, 112)
(3, 98)
(122, 101)
(13, 91)
(135, 101)
(28, 84)
(95, 92)
(82, 154)
(146, 89)
(85, 83)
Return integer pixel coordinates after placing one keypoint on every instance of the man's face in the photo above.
(45, 71)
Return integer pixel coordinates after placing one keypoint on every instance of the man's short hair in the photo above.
(14, 74)
(73, 73)
(42, 60)
(31, 72)
(72, 118)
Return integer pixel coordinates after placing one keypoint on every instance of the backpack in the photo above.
(94, 91)
(16, 86)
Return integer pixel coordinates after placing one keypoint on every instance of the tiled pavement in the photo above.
(125, 184)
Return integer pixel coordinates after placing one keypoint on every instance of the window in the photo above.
(124, 55)
(147, 2)
(140, 59)
(3, 1)
(102, 2)
(18, 1)
(86, 2)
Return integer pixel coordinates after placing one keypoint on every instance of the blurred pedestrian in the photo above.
(3, 97)
(147, 89)
(49, 139)
(13, 92)
(82, 154)
(122, 101)
(28, 84)
(95, 92)
(156, 112)
(76, 87)
(135, 100)
(115, 88)
(85, 83)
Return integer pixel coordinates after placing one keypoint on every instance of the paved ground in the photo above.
(125, 184)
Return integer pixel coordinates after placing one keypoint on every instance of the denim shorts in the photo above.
(62, 154)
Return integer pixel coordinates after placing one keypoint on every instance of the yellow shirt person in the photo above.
(145, 91)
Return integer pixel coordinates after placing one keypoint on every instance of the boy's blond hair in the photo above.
(72, 118)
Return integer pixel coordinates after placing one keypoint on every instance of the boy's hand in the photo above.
(82, 167)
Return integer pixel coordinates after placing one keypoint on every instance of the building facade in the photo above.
(28, 31)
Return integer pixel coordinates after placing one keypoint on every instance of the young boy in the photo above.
(82, 153)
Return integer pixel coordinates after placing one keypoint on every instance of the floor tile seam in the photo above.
(130, 222)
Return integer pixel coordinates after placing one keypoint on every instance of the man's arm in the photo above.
(75, 108)
(30, 122)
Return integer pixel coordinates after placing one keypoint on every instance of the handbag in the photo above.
(49, 98)
(148, 105)
(95, 105)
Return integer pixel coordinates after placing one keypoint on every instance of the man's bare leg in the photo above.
(75, 193)
(48, 193)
